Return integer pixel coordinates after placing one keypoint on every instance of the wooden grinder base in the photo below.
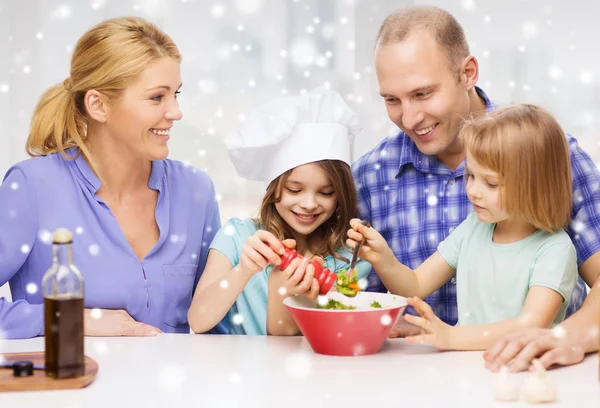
(39, 381)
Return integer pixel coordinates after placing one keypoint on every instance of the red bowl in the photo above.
(355, 332)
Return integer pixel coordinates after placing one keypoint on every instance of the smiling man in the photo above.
(411, 185)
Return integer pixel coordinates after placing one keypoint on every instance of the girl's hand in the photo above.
(299, 279)
(260, 250)
(435, 331)
(375, 250)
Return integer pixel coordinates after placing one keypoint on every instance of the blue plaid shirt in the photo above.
(415, 202)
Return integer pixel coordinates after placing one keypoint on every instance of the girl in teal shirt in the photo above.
(300, 146)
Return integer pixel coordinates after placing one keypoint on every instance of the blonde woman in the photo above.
(514, 264)
(141, 221)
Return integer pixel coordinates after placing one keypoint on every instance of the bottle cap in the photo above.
(22, 368)
(62, 236)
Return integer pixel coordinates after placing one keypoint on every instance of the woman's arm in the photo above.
(18, 230)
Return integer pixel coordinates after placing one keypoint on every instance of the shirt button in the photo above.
(450, 230)
(451, 182)
(453, 281)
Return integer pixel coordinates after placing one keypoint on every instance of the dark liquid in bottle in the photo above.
(64, 336)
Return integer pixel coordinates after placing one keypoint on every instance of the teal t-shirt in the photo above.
(492, 280)
(248, 315)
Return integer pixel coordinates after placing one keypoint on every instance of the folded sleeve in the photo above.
(18, 226)
(555, 267)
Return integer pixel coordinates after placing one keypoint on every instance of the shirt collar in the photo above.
(93, 183)
(409, 153)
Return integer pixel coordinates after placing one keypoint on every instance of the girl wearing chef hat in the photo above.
(300, 146)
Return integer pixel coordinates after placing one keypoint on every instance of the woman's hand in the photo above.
(260, 250)
(517, 350)
(108, 322)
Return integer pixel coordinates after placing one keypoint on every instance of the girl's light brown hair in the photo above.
(106, 58)
(526, 146)
(329, 236)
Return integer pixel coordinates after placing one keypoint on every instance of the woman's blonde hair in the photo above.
(329, 236)
(106, 58)
(526, 146)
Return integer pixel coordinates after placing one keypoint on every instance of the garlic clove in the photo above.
(538, 388)
(506, 387)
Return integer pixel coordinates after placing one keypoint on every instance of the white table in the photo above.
(246, 371)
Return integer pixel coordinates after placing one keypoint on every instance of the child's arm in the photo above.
(297, 279)
(540, 309)
(398, 278)
(221, 283)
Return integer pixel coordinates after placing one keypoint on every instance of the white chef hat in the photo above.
(290, 131)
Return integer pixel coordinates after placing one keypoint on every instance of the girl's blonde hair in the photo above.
(526, 146)
(106, 58)
(329, 236)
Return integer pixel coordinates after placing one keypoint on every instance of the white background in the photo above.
(239, 53)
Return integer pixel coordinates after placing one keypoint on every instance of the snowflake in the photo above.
(174, 238)
(97, 4)
(235, 378)
(577, 226)
(298, 364)
(217, 11)
(559, 332)
(249, 6)
(14, 185)
(529, 29)
(96, 313)
(25, 248)
(555, 72)
(432, 200)
(94, 249)
(45, 236)
(358, 349)
(468, 5)
(4, 88)
(79, 230)
(100, 347)
(224, 284)
(172, 378)
(31, 288)
(386, 320)
(62, 12)
(238, 319)
(282, 291)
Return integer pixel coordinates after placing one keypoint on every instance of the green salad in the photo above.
(337, 305)
(347, 283)
(334, 304)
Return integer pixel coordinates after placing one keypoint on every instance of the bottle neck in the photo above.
(63, 254)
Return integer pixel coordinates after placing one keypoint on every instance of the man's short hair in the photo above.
(442, 25)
